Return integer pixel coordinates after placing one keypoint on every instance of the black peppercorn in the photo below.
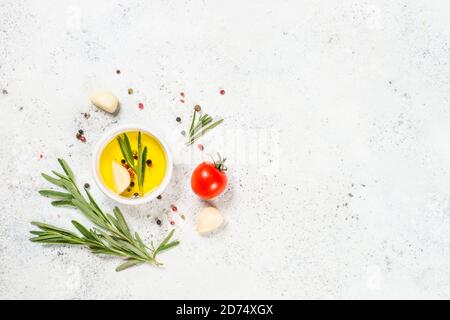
(132, 184)
(122, 161)
(178, 119)
(136, 194)
(149, 162)
(80, 131)
(159, 197)
(86, 185)
(158, 222)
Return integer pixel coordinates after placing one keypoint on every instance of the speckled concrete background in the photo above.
(336, 129)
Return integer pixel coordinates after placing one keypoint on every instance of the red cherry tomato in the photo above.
(209, 179)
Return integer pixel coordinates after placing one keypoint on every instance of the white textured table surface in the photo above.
(336, 129)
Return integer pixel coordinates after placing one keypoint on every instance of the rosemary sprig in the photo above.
(137, 166)
(110, 234)
(200, 126)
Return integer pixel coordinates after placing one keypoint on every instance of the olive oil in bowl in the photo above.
(117, 172)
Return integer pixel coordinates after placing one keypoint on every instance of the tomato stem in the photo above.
(220, 164)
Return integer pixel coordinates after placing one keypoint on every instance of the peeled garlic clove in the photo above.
(121, 177)
(208, 220)
(105, 100)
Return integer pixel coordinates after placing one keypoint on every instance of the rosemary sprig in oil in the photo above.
(137, 165)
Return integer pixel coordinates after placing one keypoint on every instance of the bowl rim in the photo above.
(106, 138)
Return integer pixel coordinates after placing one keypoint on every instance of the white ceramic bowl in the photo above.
(112, 134)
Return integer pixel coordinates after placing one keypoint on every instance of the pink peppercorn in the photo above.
(172, 222)
(201, 147)
(141, 105)
(222, 92)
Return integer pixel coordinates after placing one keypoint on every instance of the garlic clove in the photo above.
(105, 100)
(121, 177)
(209, 219)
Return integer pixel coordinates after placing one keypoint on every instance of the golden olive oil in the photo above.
(155, 169)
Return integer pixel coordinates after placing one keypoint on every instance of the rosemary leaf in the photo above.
(203, 131)
(94, 204)
(163, 245)
(128, 148)
(128, 264)
(62, 203)
(203, 122)
(139, 162)
(55, 194)
(122, 223)
(140, 242)
(169, 245)
(125, 152)
(67, 169)
(60, 175)
(82, 230)
(47, 227)
(143, 156)
(167, 238)
(191, 128)
(50, 179)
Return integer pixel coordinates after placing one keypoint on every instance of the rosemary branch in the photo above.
(200, 126)
(110, 234)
